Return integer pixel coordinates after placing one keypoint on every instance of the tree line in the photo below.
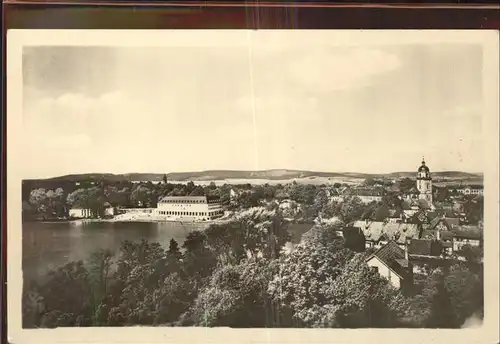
(307, 201)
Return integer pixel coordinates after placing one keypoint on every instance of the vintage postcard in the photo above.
(237, 186)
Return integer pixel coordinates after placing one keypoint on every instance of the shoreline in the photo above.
(147, 220)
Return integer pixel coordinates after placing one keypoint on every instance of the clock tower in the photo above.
(424, 183)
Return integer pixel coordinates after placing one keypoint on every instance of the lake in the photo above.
(47, 246)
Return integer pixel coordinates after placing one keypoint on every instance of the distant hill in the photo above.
(281, 174)
(443, 174)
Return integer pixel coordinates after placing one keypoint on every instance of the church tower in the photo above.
(424, 183)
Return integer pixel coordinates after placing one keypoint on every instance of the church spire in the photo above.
(424, 182)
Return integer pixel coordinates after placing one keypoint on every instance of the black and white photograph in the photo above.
(252, 180)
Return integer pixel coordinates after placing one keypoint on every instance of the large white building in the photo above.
(189, 208)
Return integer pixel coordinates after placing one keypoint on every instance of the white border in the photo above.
(17, 39)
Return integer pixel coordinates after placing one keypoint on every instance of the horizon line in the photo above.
(231, 170)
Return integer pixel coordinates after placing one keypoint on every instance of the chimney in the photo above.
(438, 234)
(406, 250)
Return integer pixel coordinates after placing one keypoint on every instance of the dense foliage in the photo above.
(237, 274)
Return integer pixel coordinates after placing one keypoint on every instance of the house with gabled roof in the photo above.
(443, 223)
(379, 233)
(427, 254)
(471, 190)
(396, 216)
(440, 229)
(335, 195)
(368, 195)
(412, 194)
(424, 247)
(392, 262)
(466, 235)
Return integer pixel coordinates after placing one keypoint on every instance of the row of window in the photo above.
(183, 206)
(192, 213)
(187, 201)
(184, 201)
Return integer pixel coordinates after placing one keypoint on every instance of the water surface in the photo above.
(47, 246)
(50, 245)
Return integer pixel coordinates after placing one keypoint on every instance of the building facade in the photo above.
(189, 208)
(466, 237)
(424, 183)
(367, 195)
(81, 213)
(370, 198)
(391, 262)
(475, 190)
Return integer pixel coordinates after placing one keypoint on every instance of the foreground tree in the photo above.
(67, 297)
(263, 231)
(298, 287)
(324, 284)
(360, 297)
(100, 269)
(237, 296)
(141, 267)
(448, 298)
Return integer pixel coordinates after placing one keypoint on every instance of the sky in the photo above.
(356, 108)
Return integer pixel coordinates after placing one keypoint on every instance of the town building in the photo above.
(137, 211)
(392, 262)
(466, 235)
(409, 213)
(334, 195)
(85, 213)
(109, 210)
(396, 216)
(80, 213)
(367, 195)
(471, 190)
(233, 196)
(458, 207)
(449, 234)
(440, 230)
(425, 247)
(412, 194)
(189, 208)
(378, 234)
(426, 255)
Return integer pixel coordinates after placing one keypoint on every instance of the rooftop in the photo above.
(399, 232)
(393, 256)
(467, 232)
(424, 247)
(367, 192)
(188, 198)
